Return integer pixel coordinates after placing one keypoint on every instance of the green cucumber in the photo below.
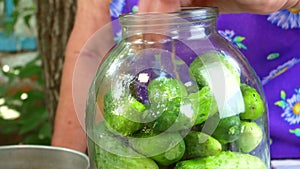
(168, 105)
(162, 90)
(111, 152)
(165, 148)
(204, 103)
(254, 105)
(199, 144)
(198, 68)
(224, 160)
(228, 129)
(251, 136)
(122, 114)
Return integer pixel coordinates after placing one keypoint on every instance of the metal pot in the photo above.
(41, 157)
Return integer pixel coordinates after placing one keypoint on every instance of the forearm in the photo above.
(90, 16)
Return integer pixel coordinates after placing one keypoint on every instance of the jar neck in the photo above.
(200, 20)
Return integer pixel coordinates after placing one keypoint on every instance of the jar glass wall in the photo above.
(174, 94)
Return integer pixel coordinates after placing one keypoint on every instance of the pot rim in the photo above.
(45, 147)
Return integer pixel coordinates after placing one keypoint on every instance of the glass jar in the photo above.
(174, 94)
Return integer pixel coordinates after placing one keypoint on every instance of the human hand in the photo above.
(255, 6)
(225, 6)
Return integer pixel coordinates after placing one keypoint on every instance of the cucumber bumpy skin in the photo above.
(199, 72)
(113, 153)
(162, 89)
(224, 160)
(254, 105)
(165, 148)
(228, 129)
(251, 136)
(176, 117)
(204, 103)
(166, 96)
(122, 115)
(199, 144)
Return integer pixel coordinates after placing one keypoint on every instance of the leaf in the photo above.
(8, 28)
(8, 126)
(36, 95)
(45, 131)
(296, 132)
(27, 20)
(30, 70)
(16, 96)
(273, 56)
(40, 80)
(3, 90)
(281, 104)
(239, 39)
(282, 95)
(16, 2)
(8, 130)
(31, 8)
(29, 125)
(241, 46)
(34, 139)
(11, 77)
(31, 139)
(31, 120)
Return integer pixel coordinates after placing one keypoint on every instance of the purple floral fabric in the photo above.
(271, 43)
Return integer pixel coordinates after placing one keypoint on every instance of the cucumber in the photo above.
(223, 160)
(168, 103)
(204, 103)
(162, 90)
(122, 114)
(254, 105)
(198, 68)
(176, 117)
(228, 129)
(165, 148)
(251, 136)
(199, 144)
(111, 152)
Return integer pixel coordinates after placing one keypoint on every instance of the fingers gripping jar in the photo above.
(174, 94)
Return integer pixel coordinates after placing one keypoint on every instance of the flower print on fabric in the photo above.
(118, 36)
(286, 19)
(296, 132)
(280, 70)
(273, 56)
(134, 9)
(291, 107)
(235, 40)
(116, 7)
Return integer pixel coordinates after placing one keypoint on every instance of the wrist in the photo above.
(92, 14)
(92, 7)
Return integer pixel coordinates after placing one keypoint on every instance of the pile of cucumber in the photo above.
(167, 133)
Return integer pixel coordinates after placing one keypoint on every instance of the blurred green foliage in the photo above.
(25, 13)
(22, 90)
(33, 124)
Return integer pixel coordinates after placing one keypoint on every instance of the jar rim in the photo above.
(200, 13)
(208, 10)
